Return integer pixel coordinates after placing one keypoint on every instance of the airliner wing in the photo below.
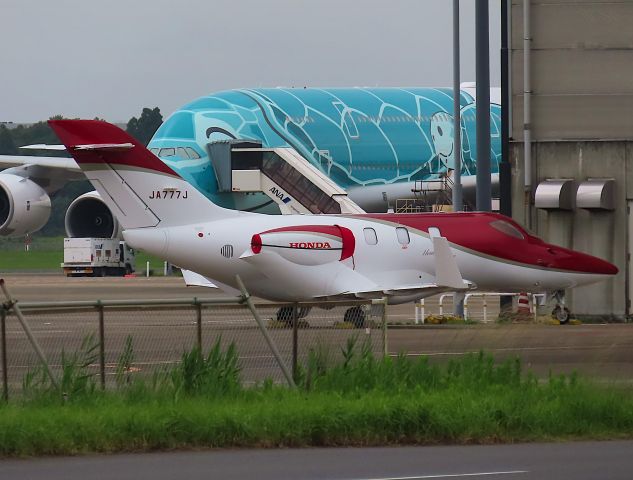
(7, 161)
(50, 173)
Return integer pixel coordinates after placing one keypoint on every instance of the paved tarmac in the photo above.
(560, 461)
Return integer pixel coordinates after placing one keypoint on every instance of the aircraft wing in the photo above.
(7, 161)
(417, 291)
(448, 278)
(50, 172)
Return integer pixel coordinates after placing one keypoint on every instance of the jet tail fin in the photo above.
(139, 188)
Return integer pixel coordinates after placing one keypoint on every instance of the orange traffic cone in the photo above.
(523, 304)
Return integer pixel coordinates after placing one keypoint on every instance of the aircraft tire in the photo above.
(355, 316)
(285, 315)
(562, 314)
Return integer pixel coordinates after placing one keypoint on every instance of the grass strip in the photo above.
(293, 419)
(201, 403)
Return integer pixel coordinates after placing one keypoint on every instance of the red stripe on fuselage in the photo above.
(472, 231)
(345, 234)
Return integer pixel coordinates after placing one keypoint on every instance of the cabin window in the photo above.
(182, 153)
(370, 236)
(403, 236)
(167, 152)
(192, 153)
(507, 228)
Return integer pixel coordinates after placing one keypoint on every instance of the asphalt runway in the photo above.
(560, 461)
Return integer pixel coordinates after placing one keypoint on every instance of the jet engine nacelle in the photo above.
(24, 206)
(89, 216)
(307, 244)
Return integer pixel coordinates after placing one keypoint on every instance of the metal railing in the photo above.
(422, 309)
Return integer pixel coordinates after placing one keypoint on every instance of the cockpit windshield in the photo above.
(173, 153)
(507, 228)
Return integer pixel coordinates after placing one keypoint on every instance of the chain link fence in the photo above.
(119, 340)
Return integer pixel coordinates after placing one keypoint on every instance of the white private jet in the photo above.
(308, 257)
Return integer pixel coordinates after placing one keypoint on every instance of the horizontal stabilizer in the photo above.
(112, 147)
(43, 146)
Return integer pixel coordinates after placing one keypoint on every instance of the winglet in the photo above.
(447, 272)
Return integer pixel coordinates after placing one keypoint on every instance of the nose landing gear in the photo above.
(561, 312)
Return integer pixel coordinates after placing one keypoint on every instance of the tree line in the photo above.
(141, 128)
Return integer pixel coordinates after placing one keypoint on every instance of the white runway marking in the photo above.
(509, 349)
(452, 475)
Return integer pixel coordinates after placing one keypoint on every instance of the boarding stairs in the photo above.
(288, 179)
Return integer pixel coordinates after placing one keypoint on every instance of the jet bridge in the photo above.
(294, 184)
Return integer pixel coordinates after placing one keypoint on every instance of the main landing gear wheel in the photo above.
(286, 314)
(355, 316)
(561, 314)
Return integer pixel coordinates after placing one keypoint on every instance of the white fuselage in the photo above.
(386, 265)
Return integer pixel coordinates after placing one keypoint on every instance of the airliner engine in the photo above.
(24, 206)
(307, 244)
(88, 216)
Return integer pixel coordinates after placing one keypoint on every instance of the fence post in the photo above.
(29, 334)
(383, 326)
(5, 375)
(101, 345)
(295, 340)
(198, 324)
(246, 298)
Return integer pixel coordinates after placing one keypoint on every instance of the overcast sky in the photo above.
(83, 58)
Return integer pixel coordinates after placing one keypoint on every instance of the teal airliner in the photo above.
(374, 142)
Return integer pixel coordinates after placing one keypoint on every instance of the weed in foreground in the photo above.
(360, 400)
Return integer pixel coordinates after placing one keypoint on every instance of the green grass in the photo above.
(362, 401)
(47, 253)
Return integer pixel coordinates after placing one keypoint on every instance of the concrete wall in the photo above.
(582, 66)
(582, 127)
(600, 233)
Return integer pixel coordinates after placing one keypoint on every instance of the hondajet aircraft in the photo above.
(308, 257)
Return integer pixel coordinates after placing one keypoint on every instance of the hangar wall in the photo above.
(582, 127)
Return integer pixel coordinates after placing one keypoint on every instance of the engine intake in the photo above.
(89, 216)
(24, 206)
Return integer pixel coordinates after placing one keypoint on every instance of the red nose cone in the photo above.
(580, 262)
